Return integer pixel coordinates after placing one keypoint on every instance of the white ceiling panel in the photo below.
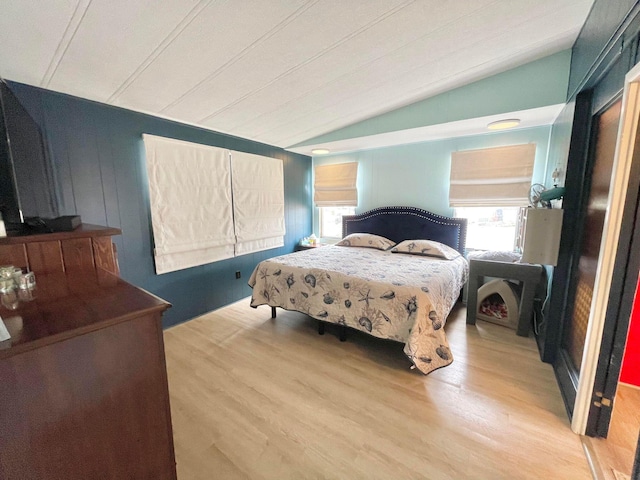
(372, 90)
(281, 95)
(279, 71)
(30, 36)
(122, 32)
(291, 48)
(222, 35)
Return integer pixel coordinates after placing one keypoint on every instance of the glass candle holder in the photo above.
(27, 281)
(7, 284)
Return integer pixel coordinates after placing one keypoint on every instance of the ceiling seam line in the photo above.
(335, 80)
(58, 55)
(307, 61)
(240, 55)
(161, 47)
(410, 101)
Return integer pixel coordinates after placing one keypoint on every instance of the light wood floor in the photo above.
(617, 451)
(255, 398)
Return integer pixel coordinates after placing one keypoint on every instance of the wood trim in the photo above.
(609, 247)
(84, 230)
(623, 285)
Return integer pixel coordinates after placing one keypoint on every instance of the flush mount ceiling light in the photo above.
(319, 151)
(504, 124)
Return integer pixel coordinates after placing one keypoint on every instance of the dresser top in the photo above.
(84, 230)
(67, 305)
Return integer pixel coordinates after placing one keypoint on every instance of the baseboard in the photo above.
(567, 381)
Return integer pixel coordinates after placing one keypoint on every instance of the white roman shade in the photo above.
(335, 185)
(191, 209)
(258, 202)
(492, 176)
(210, 203)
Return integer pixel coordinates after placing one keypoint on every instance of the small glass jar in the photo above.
(27, 281)
(7, 284)
(6, 271)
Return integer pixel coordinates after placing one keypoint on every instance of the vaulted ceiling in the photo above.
(274, 71)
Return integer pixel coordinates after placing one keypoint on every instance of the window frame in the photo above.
(518, 235)
(320, 222)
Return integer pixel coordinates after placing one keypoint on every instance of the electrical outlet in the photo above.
(238, 275)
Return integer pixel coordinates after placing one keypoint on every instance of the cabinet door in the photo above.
(45, 257)
(104, 254)
(15, 255)
(78, 254)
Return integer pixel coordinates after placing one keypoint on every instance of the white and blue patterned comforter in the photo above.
(401, 297)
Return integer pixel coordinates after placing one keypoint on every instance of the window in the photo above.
(492, 228)
(489, 187)
(331, 220)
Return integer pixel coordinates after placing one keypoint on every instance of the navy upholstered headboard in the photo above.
(408, 223)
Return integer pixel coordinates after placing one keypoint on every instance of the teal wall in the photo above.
(98, 157)
(536, 84)
(418, 174)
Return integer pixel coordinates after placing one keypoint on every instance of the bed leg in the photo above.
(343, 333)
(273, 312)
(320, 327)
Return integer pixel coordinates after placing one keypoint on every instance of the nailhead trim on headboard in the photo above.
(459, 223)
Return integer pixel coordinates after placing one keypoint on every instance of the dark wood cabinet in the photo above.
(86, 247)
(84, 385)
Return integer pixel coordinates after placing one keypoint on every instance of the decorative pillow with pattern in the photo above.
(368, 240)
(427, 248)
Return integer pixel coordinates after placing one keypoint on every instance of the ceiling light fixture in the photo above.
(319, 151)
(504, 124)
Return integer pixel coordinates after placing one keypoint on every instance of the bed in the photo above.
(405, 297)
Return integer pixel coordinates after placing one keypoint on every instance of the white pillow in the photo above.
(427, 248)
(494, 255)
(368, 240)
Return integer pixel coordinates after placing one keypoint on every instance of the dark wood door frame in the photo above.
(578, 181)
(565, 279)
(619, 305)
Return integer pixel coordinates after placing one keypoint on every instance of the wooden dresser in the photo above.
(87, 246)
(84, 384)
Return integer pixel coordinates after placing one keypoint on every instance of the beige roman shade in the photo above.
(491, 177)
(335, 185)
